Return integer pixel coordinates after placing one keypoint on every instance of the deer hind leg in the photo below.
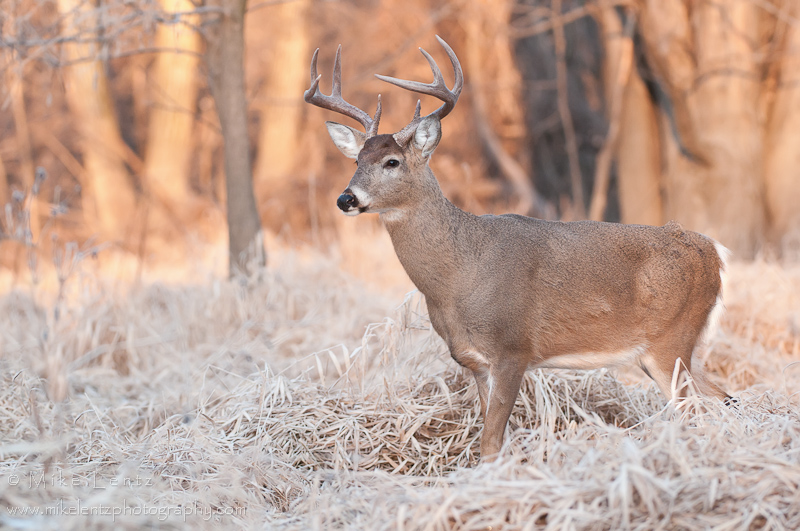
(709, 388)
(660, 365)
(667, 356)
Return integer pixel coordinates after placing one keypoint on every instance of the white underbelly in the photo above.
(592, 360)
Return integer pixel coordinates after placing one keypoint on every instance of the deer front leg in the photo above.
(502, 387)
(482, 382)
(498, 386)
(479, 365)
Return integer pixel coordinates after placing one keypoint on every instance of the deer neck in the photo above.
(424, 238)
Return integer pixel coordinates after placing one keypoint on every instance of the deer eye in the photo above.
(392, 163)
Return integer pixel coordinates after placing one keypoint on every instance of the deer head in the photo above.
(392, 169)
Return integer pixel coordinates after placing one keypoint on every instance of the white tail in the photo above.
(508, 293)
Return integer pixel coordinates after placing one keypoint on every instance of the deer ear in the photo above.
(427, 135)
(349, 141)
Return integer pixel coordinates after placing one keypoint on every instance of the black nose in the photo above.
(347, 201)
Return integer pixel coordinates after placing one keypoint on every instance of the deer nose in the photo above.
(347, 201)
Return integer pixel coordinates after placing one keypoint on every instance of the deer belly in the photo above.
(592, 360)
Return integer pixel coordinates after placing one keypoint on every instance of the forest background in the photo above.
(121, 119)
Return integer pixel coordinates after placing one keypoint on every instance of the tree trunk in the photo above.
(225, 60)
(638, 157)
(637, 153)
(702, 58)
(496, 94)
(782, 146)
(5, 192)
(24, 150)
(287, 76)
(618, 66)
(110, 200)
(578, 207)
(173, 97)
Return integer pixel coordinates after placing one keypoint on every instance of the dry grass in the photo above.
(267, 405)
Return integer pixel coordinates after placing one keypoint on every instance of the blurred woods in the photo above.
(132, 113)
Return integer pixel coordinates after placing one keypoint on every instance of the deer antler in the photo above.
(335, 102)
(437, 88)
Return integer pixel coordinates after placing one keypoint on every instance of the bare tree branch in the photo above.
(268, 3)
(123, 30)
(602, 172)
(562, 19)
(576, 182)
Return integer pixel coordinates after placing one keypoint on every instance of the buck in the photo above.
(509, 293)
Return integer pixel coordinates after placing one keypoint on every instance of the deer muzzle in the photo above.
(348, 202)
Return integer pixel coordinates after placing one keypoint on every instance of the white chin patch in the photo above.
(352, 212)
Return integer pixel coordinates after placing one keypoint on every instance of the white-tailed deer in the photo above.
(508, 293)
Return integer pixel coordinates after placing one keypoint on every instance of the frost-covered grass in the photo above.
(306, 400)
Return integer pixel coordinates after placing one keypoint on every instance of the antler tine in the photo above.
(438, 88)
(335, 102)
(459, 82)
(373, 129)
(314, 77)
(336, 90)
(434, 89)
